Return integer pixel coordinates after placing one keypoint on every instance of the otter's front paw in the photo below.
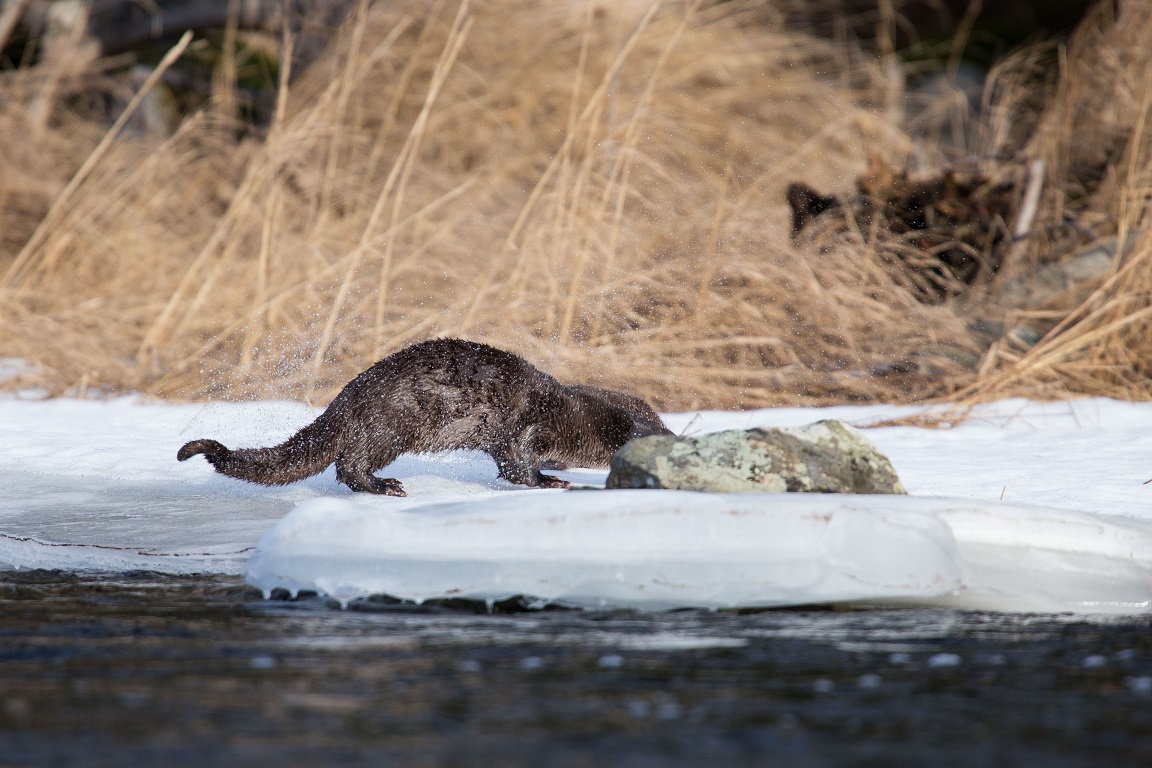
(386, 486)
(548, 481)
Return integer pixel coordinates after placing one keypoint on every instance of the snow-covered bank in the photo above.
(1045, 509)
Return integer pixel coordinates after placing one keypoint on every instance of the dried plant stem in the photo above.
(257, 326)
(343, 93)
(224, 77)
(24, 260)
(369, 232)
(10, 17)
(163, 326)
(456, 39)
(1033, 186)
(621, 172)
(591, 108)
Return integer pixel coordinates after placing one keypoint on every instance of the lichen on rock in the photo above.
(825, 457)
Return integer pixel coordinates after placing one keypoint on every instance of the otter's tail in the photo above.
(306, 453)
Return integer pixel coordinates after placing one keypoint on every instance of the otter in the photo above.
(443, 395)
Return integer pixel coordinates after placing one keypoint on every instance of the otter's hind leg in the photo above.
(361, 480)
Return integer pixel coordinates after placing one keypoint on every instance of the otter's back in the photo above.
(444, 394)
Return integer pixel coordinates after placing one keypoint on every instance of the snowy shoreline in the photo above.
(1025, 507)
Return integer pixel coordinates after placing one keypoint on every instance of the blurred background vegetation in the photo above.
(265, 207)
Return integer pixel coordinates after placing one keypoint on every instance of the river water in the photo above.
(140, 669)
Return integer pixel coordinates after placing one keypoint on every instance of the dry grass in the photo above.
(597, 186)
(1093, 135)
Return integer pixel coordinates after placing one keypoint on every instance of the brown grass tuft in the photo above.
(1095, 138)
(599, 187)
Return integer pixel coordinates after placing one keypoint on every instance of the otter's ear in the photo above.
(806, 204)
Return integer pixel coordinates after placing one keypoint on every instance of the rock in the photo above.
(1050, 291)
(1047, 282)
(825, 457)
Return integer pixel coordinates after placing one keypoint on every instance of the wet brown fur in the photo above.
(443, 395)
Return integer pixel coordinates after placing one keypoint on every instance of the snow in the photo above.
(1024, 506)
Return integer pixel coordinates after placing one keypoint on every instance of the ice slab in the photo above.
(666, 549)
(107, 524)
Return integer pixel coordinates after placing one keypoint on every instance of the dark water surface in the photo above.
(146, 670)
